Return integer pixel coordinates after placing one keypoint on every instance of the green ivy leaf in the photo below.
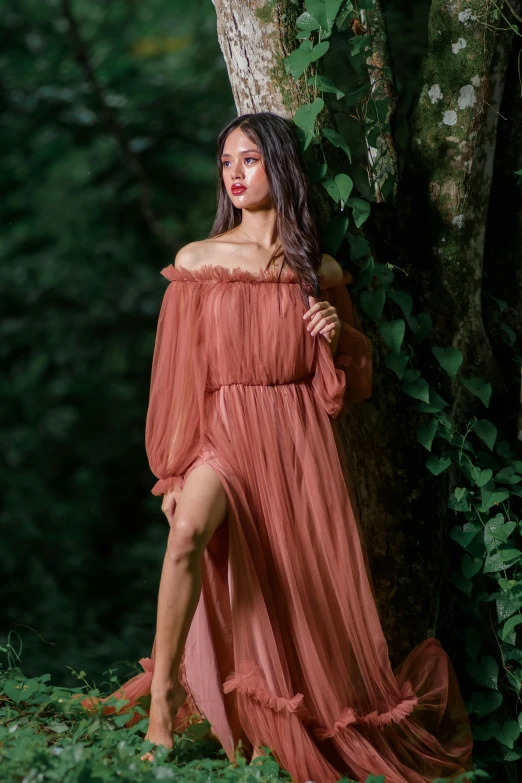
(465, 535)
(462, 583)
(437, 465)
(508, 476)
(392, 332)
(345, 186)
(470, 566)
(507, 605)
(509, 626)
(424, 326)
(324, 11)
(485, 673)
(418, 389)
(359, 247)
(305, 116)
(479, 388)
(509, 733)
(492, 498)
(449, 359)
(493, 563)
(307, 22)
(298, 61)
(360, 210)
(332, 235)
(359, 43)
(337, 140)
(403, 299)
(396, 363)
(324, 84)
(372, 302)
(486, 431)
(480, 477)
(426, 433)
(435, 405)
(330, 185)
(485, 704)
(345, 16)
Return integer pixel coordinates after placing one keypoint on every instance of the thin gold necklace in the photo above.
(256, 241)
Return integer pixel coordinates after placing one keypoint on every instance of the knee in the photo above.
(186, 540)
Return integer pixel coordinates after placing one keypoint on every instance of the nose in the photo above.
(236, 170)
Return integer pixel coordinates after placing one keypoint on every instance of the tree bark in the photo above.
(403, 509)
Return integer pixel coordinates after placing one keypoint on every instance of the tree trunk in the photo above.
(445, 190)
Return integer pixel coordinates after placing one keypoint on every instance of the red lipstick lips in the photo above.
(237, 189)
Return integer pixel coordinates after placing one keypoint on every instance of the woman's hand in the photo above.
(323, 320)
(168, 504)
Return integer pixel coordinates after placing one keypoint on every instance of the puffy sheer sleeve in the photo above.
(345, 379)
(175, 416)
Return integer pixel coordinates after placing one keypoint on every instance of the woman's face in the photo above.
(243, 172)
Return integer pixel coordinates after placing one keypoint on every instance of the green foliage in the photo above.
(485, 504)
(45, 735)
(79, 272)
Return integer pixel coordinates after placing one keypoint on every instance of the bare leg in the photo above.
(200, 509)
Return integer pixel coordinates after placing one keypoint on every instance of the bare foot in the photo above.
(163, 708)
(256, 752)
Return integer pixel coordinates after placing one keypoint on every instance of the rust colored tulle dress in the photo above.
(286, 648)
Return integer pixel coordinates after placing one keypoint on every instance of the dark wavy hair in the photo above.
(296, 225)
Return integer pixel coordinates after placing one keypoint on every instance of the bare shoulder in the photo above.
(196, 254)
(330, 269)
(189, 255)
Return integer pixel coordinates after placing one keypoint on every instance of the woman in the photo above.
(267, 624)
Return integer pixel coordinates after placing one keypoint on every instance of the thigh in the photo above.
(202, 503)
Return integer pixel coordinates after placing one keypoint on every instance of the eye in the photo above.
(254, 159)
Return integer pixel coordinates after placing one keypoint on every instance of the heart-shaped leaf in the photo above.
(471, 566)
(485, 673)
(360, 210)
(392, 332)
(396, 363)
(324, 84)
(486, 703)
(509, 626)
(449, 359)
(345, 185)
(424, 327)
(437, 465)
(332, 234)
(372, 302)
(492, 498)
(305, 116)
(480, 477)
(462, 583)
(479, 388)
(337, 140)
(486, 431)
(464, 536)
(507, 604)
(426, 433)
(418, 389)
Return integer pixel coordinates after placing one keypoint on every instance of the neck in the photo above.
(261, 226)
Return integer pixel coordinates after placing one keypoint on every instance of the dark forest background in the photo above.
(109, 113)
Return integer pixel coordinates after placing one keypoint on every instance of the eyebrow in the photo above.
(227, 155)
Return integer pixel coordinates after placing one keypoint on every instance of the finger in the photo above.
(324, 322)
(317, 311)
(323, 313)
(315, 305)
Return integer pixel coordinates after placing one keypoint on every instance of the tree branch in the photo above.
(111, 119)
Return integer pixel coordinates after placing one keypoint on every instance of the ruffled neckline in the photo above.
(215, 273)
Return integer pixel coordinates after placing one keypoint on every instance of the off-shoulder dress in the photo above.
(286, 647)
